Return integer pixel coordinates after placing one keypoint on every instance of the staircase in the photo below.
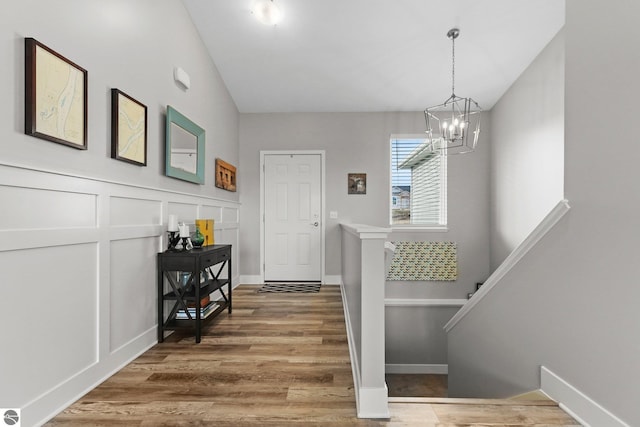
(518, 411)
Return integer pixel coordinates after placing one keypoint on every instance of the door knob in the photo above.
(315, 224)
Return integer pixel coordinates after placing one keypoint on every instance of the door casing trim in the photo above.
(322, 155)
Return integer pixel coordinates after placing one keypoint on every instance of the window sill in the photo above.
(419, 228)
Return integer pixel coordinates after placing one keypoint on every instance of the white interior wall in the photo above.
(79, 231)
(527, 151)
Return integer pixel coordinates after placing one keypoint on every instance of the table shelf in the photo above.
(206, 288)
(196, 262)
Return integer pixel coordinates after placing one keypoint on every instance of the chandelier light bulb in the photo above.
(452, 137)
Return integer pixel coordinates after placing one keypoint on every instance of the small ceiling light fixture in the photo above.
(267, 12)
(449, 124)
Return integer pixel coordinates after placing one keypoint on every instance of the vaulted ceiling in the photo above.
(372, 55)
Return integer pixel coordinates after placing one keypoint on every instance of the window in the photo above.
(418, 183)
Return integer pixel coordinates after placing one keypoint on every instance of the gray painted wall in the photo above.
(527, 151)
(96, 309)
(132, 46)
(359, 142)
(410, 345)
(571, 304)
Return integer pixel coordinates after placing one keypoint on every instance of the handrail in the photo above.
(518, 253)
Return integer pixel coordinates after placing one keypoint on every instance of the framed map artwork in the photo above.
(55, 96)
(128, 129)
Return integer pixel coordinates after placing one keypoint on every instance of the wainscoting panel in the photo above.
(185, 212)
(35, 208)
(211, 212)
(130, 211)
(79, 287)
(48, 313)
(132, 303)
(230, 215)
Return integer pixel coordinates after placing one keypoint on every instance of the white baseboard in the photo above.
(397, 368)
(577, 404)
(251, 279)
(424, 302)
(54, 401)
(373, 402)
(332, 279)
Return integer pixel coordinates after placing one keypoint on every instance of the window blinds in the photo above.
(414, 165)
(428, 192)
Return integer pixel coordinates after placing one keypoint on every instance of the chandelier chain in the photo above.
(453, 65)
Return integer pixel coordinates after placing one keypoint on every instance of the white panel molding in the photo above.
(128, 185)
(225, 226)
(426, 302)
(135, 232)
(409, 368)
(52, 402)
(512, 260)
(134, 204)
(11, 240)
(585, 410)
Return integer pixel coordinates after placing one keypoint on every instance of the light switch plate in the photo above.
(333, 214)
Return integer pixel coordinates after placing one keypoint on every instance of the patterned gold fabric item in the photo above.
(424, 261)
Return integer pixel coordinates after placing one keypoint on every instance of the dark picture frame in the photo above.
(357, 183)
(128, 129)
(55, 96)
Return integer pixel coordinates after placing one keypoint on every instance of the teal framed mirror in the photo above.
(184, 148)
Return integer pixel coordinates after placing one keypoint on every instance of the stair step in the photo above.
(466, 401)
(441, 411)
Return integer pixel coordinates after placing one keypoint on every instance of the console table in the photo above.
(204, 267)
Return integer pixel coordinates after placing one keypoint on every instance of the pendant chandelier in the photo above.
(454, 126)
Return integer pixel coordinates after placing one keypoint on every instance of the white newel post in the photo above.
(371, 389)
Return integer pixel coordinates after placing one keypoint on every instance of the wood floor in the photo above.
(279, 359)
(416, 385)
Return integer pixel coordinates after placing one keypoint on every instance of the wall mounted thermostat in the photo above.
(182, 77)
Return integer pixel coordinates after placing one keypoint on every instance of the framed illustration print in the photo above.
(357, 183)
(55, 96)
(128, 129)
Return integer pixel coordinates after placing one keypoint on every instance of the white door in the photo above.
(292, 215)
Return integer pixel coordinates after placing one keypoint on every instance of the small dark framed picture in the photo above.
(128, 129)
(55, 96)
(357, 183)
